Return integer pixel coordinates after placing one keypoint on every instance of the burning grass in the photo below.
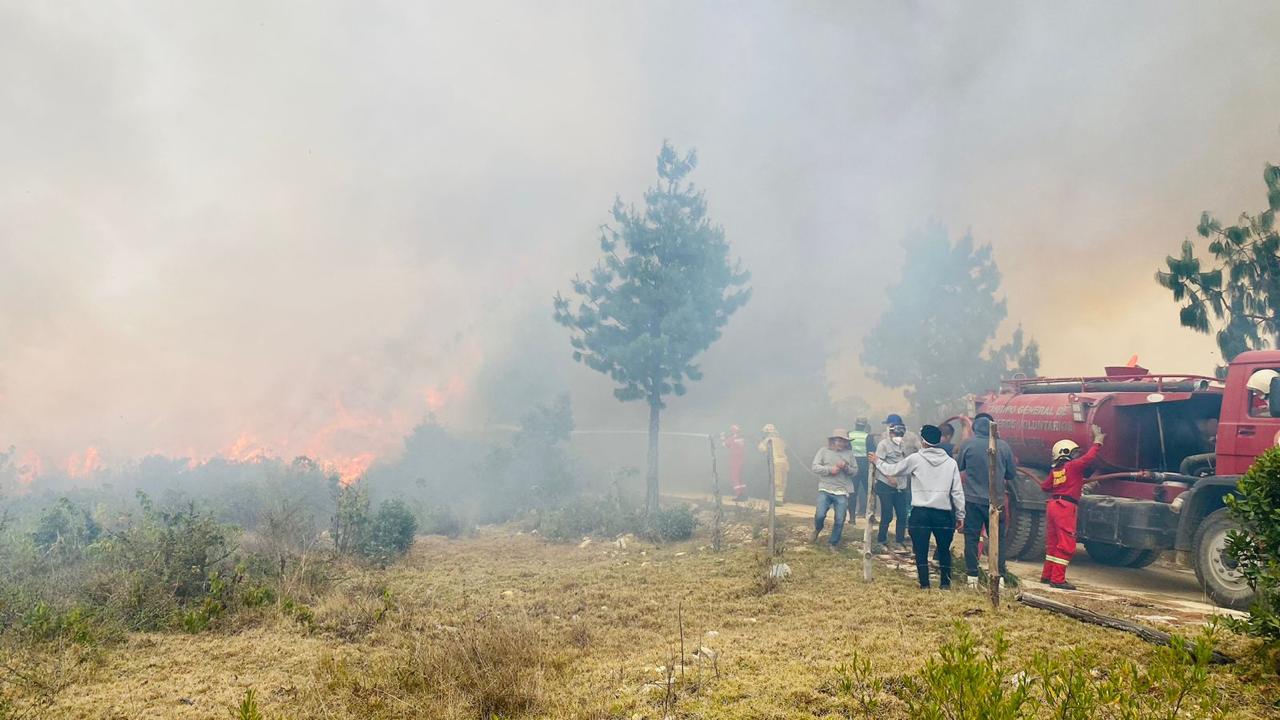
(509, 625)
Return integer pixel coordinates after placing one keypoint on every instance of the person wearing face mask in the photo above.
(894, 492)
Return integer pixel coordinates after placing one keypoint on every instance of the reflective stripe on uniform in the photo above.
(1057, 560)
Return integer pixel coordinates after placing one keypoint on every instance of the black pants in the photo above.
(892, 501)
(976, 517)
(858, 505)
(940, 525)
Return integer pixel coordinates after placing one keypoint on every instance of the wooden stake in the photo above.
(717, 531)
(993, 518)
(866, 533)
(773, 503)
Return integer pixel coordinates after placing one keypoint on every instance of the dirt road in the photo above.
(1168, 593)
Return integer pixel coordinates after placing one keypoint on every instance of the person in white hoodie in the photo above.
(937, 502)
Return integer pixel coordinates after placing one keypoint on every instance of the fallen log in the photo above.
(1151, 635)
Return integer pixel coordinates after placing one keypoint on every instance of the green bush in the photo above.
(65, 530)
(964, 683)
(968, 682)
(1257, 549)
(672, 524)
(614, 516)
(391, 530)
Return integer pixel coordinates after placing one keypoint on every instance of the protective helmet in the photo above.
(1260, 382)
(1063, 448)
(769, 429)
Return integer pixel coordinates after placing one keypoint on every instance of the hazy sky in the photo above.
(227, 226)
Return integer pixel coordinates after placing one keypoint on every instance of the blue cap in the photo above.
(893, 420)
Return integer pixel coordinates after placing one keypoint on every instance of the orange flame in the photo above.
(350, 469)
(30, 466)
(80, 466)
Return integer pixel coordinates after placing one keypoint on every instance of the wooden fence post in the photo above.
(773, 503)
(717, 532)
(993, 516)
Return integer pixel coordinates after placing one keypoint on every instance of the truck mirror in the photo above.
(1273, 398)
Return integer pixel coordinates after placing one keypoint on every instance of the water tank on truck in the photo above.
(1159, 451)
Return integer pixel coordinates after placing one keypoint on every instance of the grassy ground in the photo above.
(509, 624)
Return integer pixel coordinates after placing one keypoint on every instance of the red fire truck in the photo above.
(1175, 447)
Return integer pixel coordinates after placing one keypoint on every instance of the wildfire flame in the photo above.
(83, 465)
(29, 468)
(344, 441)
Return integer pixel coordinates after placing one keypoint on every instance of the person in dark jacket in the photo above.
(972, 459)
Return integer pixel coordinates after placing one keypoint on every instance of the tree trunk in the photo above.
(651, 478)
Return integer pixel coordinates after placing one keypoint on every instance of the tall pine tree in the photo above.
(1239, 292)
(935, 338)
(658, 297)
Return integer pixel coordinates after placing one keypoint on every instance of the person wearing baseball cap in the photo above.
(893, 493)
(836, 467)
(937, 502)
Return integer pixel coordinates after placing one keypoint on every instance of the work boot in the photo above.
(1064, 585)
(879, 549)
(1044, 581)
(813, 537)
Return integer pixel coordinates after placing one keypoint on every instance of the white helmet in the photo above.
(1260, 381)
(1063, 448)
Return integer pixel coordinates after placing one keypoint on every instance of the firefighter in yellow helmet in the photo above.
(772, 442)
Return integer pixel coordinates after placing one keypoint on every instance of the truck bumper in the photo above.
(1142, 524)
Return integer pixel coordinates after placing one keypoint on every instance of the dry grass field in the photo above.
(506, 624)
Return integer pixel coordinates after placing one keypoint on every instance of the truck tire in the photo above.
(1033, 551)
(1111, 554)
(1021, 528)
(1144, 558)
(1217, 573)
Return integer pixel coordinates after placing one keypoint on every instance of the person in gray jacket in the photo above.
(894, 493)
(836, 467)
(937, 502)
(972, 461)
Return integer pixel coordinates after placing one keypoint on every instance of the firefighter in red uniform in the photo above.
(1064, 484)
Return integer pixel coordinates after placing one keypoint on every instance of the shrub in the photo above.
(966, 682)
(672, 523)
(65, 530)
(351, 518)
(1257, 549)
(391, 531)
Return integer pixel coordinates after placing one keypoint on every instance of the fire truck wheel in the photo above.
(1218, 575)
(1033, 551)
(1144, 558)
(1111, 554)
(1021, 528)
